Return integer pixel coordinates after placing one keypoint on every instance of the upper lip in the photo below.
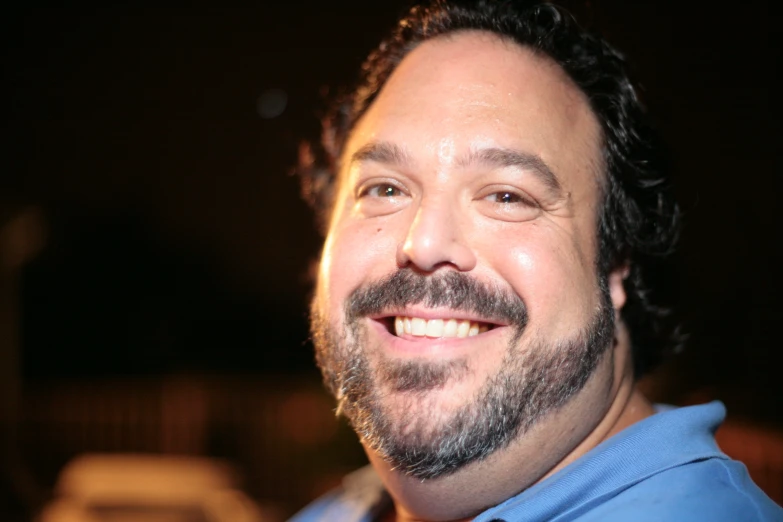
(438, 313)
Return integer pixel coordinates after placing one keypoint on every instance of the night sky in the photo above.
(159, 143)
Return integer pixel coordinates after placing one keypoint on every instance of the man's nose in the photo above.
(436, 238)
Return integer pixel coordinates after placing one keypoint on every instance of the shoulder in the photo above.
(714, 489)
(681, 474)
(666, 467)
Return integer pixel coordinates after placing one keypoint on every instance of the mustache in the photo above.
(454, 290)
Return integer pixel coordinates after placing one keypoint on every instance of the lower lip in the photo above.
(427, 346)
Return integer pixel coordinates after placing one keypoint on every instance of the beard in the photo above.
(414, 436)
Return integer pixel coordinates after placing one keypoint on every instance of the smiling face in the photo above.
(458, 308)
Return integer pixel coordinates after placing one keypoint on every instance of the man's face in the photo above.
(458, 306)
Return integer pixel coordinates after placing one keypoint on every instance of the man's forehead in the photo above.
(466, 64)
(474, 91)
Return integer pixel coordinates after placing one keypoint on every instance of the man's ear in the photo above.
(617, 279)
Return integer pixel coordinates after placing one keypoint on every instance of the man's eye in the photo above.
(383, 190)
(508, 198)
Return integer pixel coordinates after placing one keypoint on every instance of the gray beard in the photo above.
(530, 384)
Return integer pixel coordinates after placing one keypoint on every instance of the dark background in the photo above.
(175, 238)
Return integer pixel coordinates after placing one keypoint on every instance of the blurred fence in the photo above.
(281, 433)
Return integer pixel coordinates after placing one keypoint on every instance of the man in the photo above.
(493, 198)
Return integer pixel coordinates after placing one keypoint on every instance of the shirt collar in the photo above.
(662, 441)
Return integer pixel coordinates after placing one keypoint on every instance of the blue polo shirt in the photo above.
(666, 467)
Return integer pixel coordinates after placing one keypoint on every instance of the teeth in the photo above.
(450, 330)
(474, 329)
(463, 328)
(418, 326)
(399, 328)
(436, 328)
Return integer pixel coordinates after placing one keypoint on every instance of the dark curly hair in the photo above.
(639, 220)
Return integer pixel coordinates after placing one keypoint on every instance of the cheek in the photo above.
(354, 254)
(557, 283)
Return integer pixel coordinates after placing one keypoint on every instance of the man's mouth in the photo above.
(404, 326)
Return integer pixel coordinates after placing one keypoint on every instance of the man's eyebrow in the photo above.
(382, 152)
(496, 157)
(502, 157)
